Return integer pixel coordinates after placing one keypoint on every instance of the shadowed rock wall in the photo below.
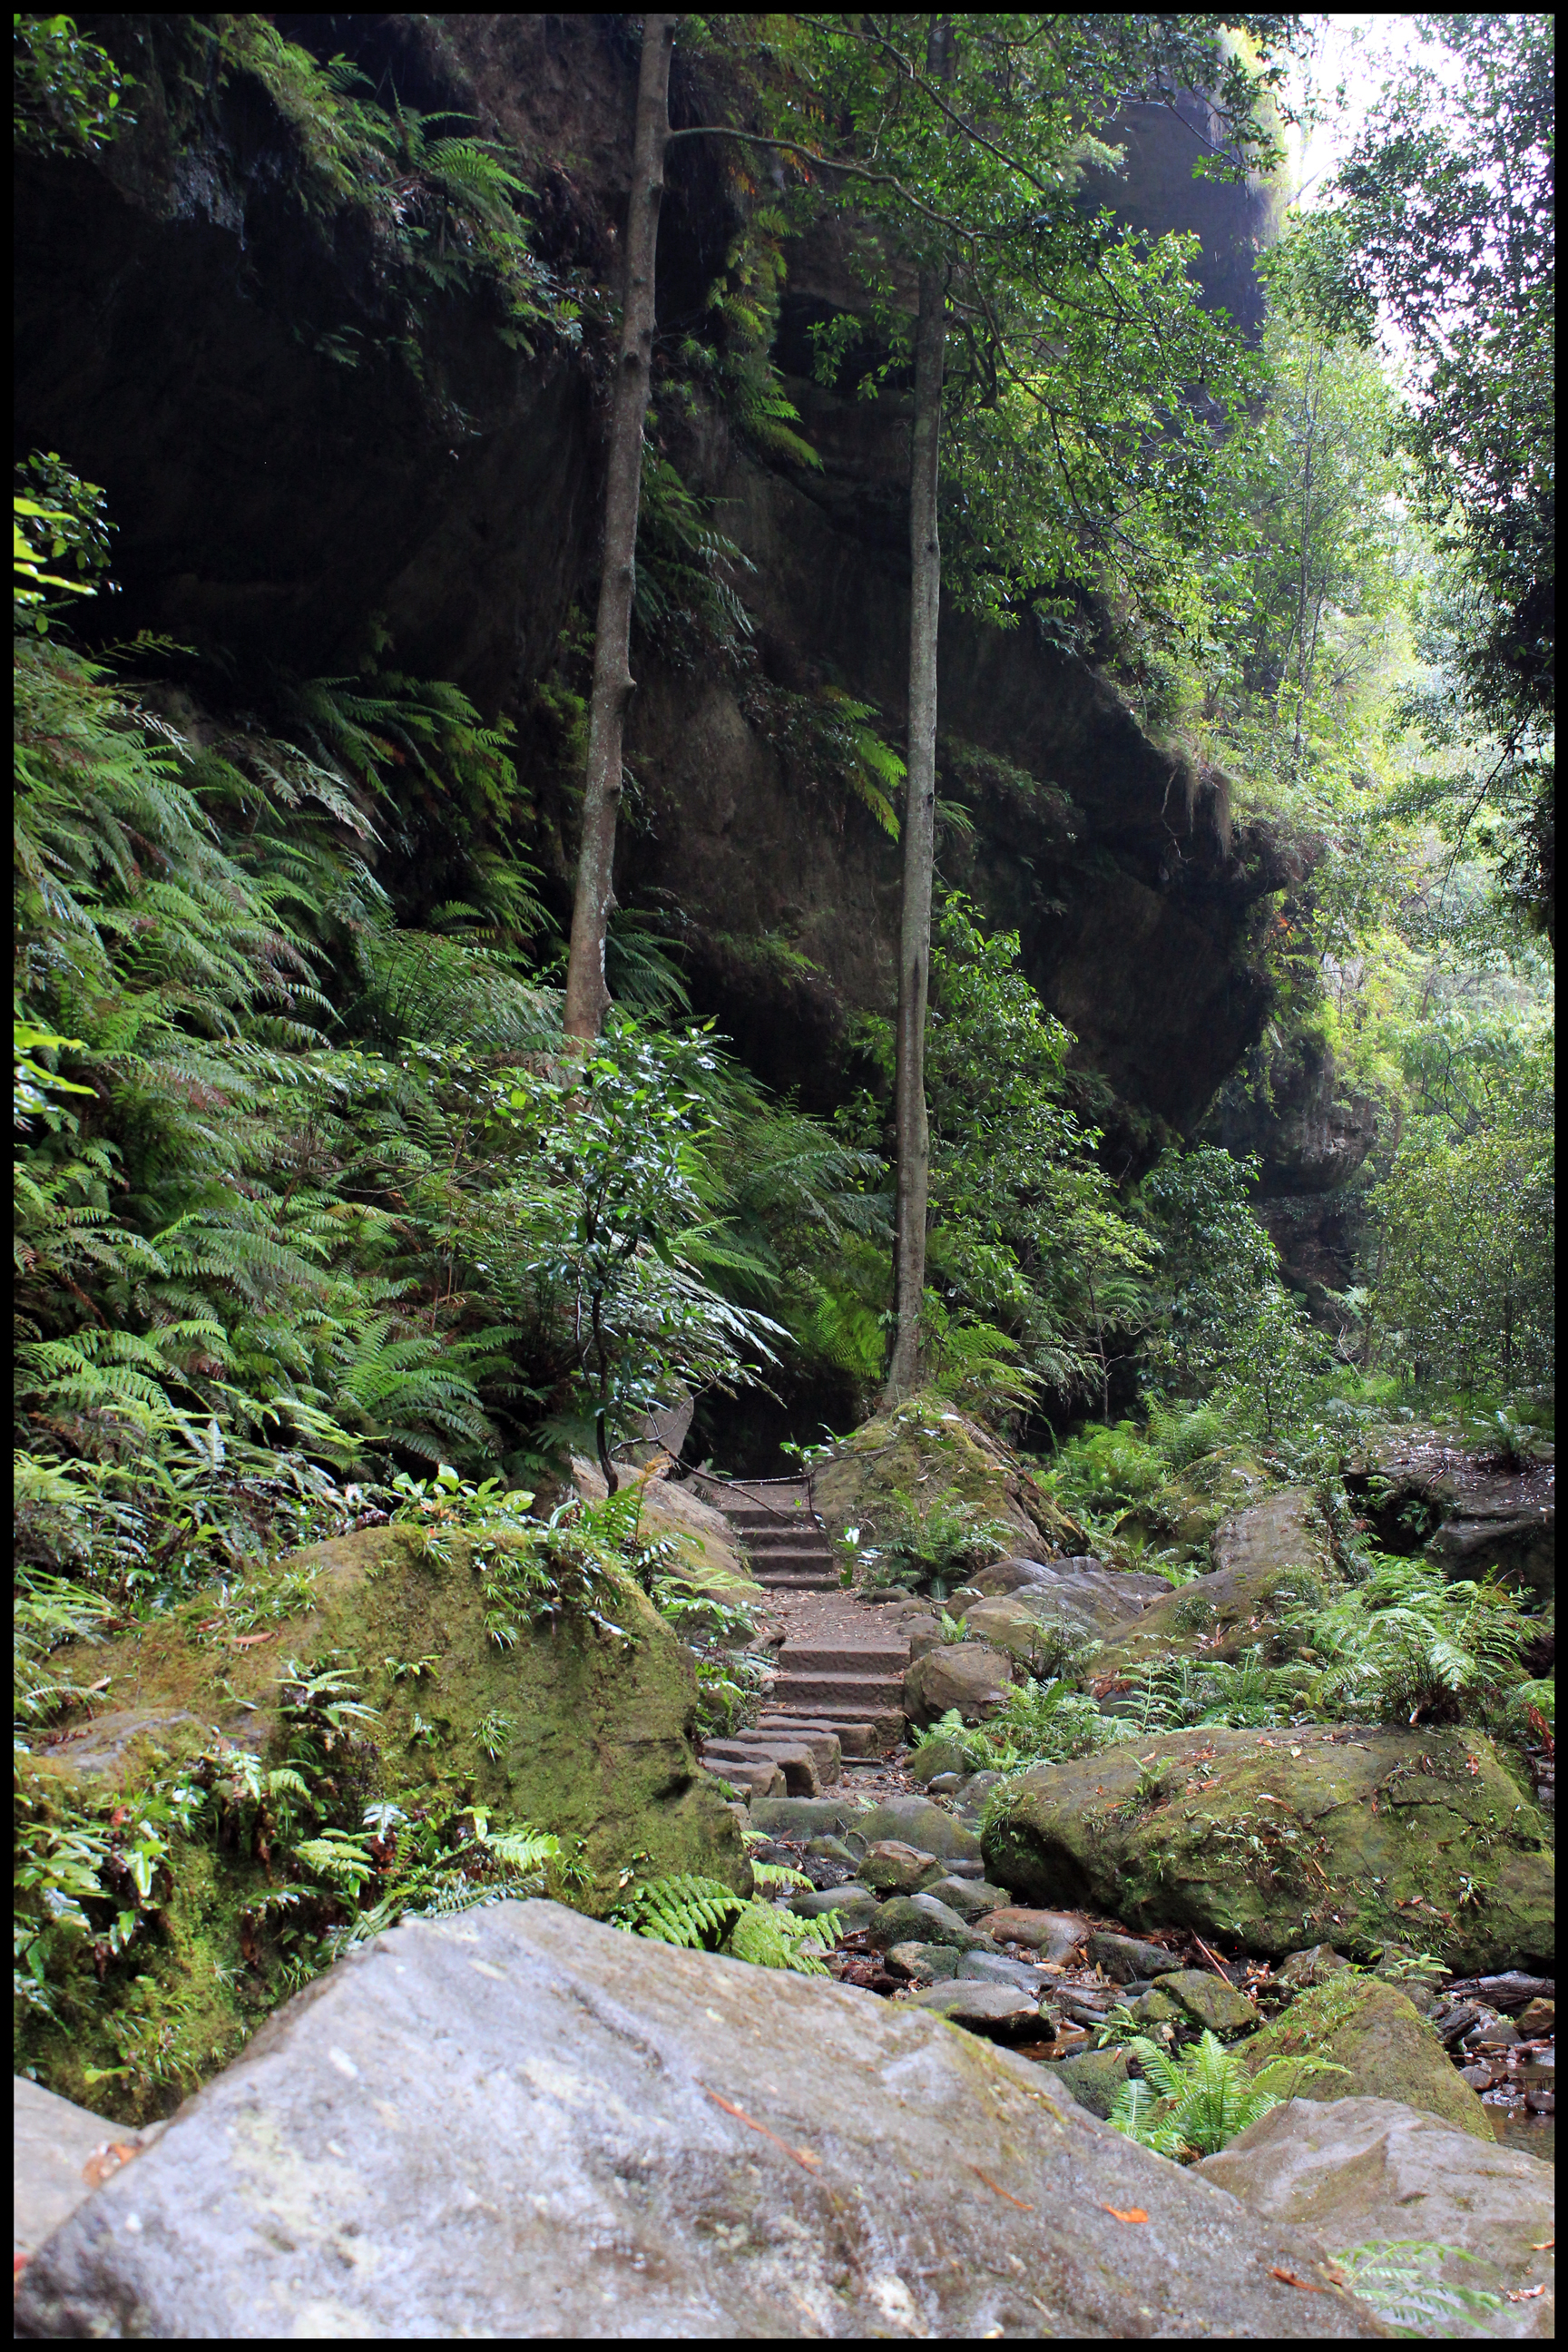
(293, 453)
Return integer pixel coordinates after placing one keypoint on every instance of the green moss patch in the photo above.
(1344, 1834)
(571, 1729)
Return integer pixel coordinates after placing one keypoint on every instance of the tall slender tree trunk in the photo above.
(587, 994)
(912, 1129)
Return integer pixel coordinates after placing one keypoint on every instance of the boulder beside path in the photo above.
(518, 2122)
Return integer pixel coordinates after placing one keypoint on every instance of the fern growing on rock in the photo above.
(1191, 2102)
(702, 1915)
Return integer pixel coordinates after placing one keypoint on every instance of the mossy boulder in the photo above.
(970, 1679)
(592, 1738)
(1379, 2037)
(1270, 1559)
(926, 1448)
(1350, 1834)
(1208, 2001)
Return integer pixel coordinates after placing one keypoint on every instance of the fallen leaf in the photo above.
(249, 1641)
(999, 2191)
(1544, 2247)
(803, 2156)
(1292, 2280)
(105, 2161)
(1522, 2293)
(1295, 1752)
(1134, 2213)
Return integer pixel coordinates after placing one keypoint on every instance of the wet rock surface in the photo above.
(1357, 2169)
(616, 2150)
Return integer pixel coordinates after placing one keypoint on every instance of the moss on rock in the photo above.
(1348, 1834)
(927, 1448)
(571, 1730)
(1379, 2037)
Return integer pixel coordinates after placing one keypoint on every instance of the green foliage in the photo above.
(68, 91)
(1449, 225)
(57, 519)
(333, 1866)
(1406, 1645)
(618, 1135)
(445, 207)
(931, 1540)
(1171, 1694)
(1191, 2102)
(1462, 1248)
(686, 601)
(702, 1915)
(1028, 1242)
(1043, 1722)
(743, 307)
(830, 739)
(1399, 2278)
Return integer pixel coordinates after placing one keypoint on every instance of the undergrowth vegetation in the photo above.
(322, 1226)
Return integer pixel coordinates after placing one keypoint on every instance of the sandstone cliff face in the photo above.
(289, 450)
(1313, 1131)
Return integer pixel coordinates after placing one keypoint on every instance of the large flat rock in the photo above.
(1361, 2169)
(519, 2123)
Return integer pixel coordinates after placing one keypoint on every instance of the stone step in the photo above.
(819, 1740)
(857, 1741)
(884, 1659)
(793, 1544)
(792, 1757)
(872, 1731)
(799, 1581)
(833, 1691)
(762, 1778)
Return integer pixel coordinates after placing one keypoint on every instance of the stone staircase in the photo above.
(837, 1695)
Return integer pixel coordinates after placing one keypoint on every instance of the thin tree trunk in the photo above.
(911, 1131)
(587, 994)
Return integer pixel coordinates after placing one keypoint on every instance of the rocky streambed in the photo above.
(521, 2121)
